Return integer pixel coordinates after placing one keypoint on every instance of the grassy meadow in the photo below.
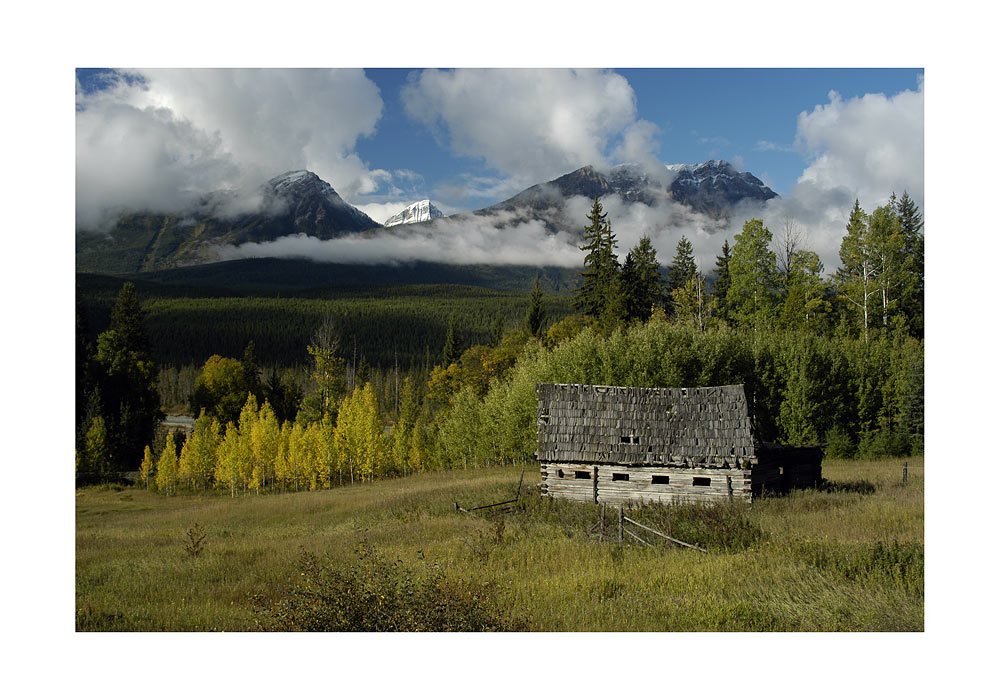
(847, 557)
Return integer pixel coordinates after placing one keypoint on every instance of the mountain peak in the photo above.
(422, 210)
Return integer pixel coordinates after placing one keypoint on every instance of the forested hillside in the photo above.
(426, 378)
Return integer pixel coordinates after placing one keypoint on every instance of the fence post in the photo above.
(904, 473)
(621, 524)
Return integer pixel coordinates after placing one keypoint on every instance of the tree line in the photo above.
(835, 359)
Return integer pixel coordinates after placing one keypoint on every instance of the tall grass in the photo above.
(848, 556)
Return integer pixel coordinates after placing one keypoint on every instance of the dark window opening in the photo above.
(629, 440)
(702, 481)
(581, 475)
(619, 477)
(561, 474)
(661, 479)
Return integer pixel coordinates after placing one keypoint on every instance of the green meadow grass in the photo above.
(846, 557)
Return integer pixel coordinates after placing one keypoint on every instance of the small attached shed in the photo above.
(615, 444)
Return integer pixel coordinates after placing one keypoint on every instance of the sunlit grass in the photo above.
(817, 564)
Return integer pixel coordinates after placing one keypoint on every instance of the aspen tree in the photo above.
(166, 468)
(282, 463)
(264, 438)
(248, 417)
(227, 467)
(146, 468)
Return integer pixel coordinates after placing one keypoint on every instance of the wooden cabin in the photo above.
(616, 444)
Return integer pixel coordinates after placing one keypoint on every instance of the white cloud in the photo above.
(469, 240)
(530, 125)
(873, 145)
(162, 140)
(862, 148)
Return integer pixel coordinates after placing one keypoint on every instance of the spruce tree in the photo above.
(683, 267)
(451, 350)
(251, 371)
(911, 225)
(588, 294)
(127, 381)
(642, 285)
(534, 319)
(722, 281)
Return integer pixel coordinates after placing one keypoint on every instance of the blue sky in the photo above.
(702, 113)
(159, 138)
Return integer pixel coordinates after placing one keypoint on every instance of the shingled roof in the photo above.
(707, 426)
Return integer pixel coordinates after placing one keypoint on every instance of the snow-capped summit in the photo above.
(418, 211)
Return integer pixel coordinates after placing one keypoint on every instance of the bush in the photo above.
(883, 443)
(839, 444)
(376, 595)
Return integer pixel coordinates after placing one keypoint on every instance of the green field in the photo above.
(845, 557)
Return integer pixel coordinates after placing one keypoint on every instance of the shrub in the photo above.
(839, 444)
(377, 595)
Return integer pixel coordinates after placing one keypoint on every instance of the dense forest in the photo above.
(331, 391)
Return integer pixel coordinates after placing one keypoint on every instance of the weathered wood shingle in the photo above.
(636, 425)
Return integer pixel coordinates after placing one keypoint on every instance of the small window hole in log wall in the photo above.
(561, 473)
(701, 481)
(619, 477)
(581, 475)
(661, 479)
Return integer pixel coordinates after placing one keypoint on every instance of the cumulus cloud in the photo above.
(529, 125)
(873, 145)
(161, 138)
(862, 148)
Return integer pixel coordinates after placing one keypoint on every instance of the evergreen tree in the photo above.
(283, 396)
(251, 372)
(911, 296)
(720, 291)
(127, 382)
(683, 267)
(600, 293)
(496, 333)
(534, 319)
(451, 349)
(753, 276)
(588, 293)
(642, 285)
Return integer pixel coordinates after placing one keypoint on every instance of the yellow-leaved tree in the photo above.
(360, 437)
(146, 468)
(166, 468)
(198, 455)
(248, 419)
(229, 458)
(265, 436)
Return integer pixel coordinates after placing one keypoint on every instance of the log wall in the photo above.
(685, 484)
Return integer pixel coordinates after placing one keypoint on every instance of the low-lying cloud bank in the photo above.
(467, 240)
